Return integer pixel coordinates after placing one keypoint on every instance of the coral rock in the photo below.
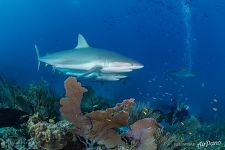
(46, 135)
(12, 139)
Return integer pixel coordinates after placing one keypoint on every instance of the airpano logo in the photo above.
(208, 144)
(200, 145)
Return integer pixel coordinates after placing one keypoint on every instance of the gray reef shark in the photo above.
(87, 62)
(183, 73)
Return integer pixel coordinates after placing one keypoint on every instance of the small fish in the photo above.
(145, 113)
(109, 120)
(51, 120)
(203, 84)
(125, 111)
(214, 109)
(187, 107)
(95, 106)
(140, 93)
(154, 98)
(168, 94)
(215, 100)
(145, 109)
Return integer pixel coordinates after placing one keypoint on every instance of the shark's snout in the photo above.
(137, 65)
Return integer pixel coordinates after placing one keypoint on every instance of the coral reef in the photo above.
(11, 138)
(7, 92)
(143, 110)
(96, 126)
(167, 141)
(143, 132)
(43, 99)
(30, 99)
(49, 136)
(191, 133)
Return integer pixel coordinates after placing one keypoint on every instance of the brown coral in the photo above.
(71, 103)
(96, 126)
(143, 131)
(103, 123)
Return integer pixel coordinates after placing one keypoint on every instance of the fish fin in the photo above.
(92, 70)
(38, 55)
(82, 43)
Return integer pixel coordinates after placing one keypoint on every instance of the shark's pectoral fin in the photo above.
(95, 69)
(82, 43)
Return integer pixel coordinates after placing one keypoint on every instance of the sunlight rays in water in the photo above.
(187, 18)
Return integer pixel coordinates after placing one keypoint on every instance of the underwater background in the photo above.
(166, 36)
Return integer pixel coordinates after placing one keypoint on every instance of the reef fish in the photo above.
(87, 62)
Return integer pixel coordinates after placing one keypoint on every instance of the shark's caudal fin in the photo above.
(82, 43)
(38, 55)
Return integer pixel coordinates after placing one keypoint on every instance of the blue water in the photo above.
(154, 32)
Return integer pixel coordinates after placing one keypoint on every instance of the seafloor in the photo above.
(35, 117)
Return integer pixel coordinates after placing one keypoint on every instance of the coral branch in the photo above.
(71, 103)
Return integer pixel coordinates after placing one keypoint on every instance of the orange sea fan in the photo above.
(143, 131)
(97, 126)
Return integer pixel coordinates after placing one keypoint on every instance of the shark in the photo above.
(86, 62)
(183, 73)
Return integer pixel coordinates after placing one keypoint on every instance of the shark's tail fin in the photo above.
(38, 55)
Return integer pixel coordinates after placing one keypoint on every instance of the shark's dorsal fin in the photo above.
(82, 43)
